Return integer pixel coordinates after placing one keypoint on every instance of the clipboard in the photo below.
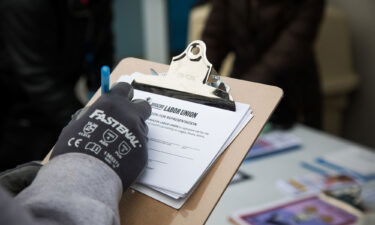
(138, 209)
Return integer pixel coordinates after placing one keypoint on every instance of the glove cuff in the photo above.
(95, 171)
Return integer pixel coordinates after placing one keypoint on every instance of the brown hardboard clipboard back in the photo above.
(139, 209)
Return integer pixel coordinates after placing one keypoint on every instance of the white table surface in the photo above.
(265, 172)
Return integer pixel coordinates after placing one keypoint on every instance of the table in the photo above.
(262, 189)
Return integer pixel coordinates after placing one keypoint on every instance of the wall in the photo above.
(359, 121)
(127, 28)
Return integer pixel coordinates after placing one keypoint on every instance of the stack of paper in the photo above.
(185, 139)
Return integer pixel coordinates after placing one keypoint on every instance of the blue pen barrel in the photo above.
(105, 73)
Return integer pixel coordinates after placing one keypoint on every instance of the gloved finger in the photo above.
(122, 89)
(143, 108)
(79, 113)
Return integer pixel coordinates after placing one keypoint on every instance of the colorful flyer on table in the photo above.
(306, 211)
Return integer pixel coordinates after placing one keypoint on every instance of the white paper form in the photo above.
(238, 129)
(184, 140)
(234, 134)
(176, 201)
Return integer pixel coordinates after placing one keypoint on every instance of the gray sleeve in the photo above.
(73, 188)
(12, 213)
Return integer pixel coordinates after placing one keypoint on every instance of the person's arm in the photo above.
(289, 48)
(34, 42)
(16, 179)
(58, 195)
(215, 33)
(71, 189)
(12, 213)
(96, 158)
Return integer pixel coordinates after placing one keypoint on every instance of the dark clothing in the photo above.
(43, 48)
(273, 42)
(17, 179)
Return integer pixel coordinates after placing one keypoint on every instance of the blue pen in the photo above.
(105, 72)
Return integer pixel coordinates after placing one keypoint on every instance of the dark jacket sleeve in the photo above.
(99, 41)
(34, 47)
(215, 33)
(293, 42)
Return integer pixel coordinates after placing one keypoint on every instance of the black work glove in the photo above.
(113, 129)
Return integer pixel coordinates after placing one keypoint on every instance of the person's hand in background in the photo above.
(112, 130)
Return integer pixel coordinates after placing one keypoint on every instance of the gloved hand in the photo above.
(113, 129)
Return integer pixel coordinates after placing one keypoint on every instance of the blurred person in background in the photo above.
(273, 43)
(45, 46)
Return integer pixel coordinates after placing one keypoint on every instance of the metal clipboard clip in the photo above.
(190, 77)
